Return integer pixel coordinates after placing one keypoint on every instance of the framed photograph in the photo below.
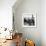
(29, 20)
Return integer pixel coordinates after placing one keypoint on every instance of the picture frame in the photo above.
(29, 20)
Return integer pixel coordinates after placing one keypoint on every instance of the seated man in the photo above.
(18, 39)
(29, 43)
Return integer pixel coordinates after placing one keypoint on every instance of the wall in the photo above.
(6, 13)
(28, 6)
(43, 22)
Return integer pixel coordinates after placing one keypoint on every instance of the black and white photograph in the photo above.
(29, 20)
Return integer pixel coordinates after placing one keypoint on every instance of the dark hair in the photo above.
(34, 44)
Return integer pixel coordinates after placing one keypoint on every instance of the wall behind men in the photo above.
(28, 6)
